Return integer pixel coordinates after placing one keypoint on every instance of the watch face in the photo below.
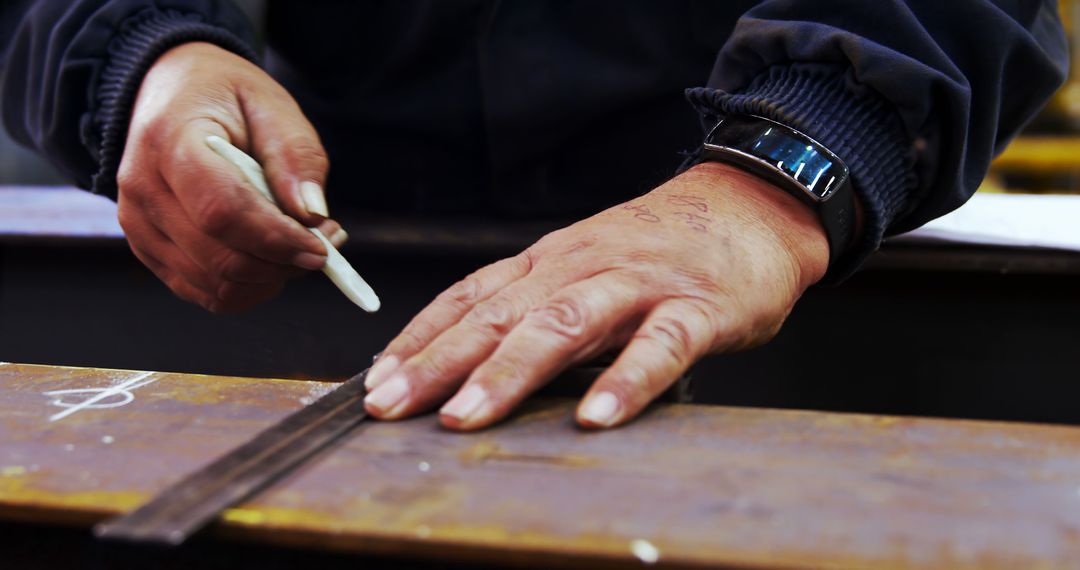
(814, 167)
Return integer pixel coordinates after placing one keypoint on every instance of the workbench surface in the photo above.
(683, 486)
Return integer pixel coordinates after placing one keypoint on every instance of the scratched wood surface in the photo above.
(687, 485)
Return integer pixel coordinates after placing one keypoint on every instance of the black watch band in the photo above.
(793, 161)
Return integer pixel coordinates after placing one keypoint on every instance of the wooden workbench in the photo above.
(685, 485)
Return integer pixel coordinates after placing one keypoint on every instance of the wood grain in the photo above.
(705, 486)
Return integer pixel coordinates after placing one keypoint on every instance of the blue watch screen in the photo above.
(795, 154)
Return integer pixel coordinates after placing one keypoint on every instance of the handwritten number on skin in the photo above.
(643, 213)
(696, 222)
(691, 201)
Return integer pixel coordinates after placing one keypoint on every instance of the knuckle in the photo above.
(502, 375)
(127, 178)
(670, 334)
(463, 294)
(698, 282)
(528, 259)
(518, 265)
(152, 133)
(727, 327)
(564, 317)
(215, 216)
(411, 339)
(705, 311)
(432, 366)
(156, 132)
(629, 380)
(225, 264)
(494, 317)
(307, 153)
(133, 186)
(127, 218)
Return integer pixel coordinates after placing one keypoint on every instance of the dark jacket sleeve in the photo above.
(71, 71)
(916, 96)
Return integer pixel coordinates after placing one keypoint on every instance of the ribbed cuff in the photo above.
(139, 42)
(854, 122)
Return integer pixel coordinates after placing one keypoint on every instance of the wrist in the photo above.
(792, 225)
(140, 42)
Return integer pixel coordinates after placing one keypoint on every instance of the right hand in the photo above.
(188, 214)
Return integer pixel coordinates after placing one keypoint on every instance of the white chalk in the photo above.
(337, 268)
(123, 390)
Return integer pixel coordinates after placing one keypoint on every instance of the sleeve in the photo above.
(71, 71)
(916, 96)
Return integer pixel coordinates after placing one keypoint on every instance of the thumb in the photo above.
(292, 156)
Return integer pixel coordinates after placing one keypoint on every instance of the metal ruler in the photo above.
(198, 499)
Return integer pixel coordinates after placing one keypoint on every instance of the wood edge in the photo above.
(171, 373)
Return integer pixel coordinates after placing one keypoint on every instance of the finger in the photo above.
(192, 283)
(576, 323)
(227, 296)
(216, 293)
(675, 334)
(333, 232)
(289, 149)
(432, 374)
(235, 297)
(150, 242)
(175, 282)
(212, 256)
(448, 308)
(222, 204)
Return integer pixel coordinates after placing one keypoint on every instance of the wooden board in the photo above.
(693, 485)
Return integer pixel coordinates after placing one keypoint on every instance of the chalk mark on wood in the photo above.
(99, 397)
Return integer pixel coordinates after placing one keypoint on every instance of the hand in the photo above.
(189, 215)
(711, 261)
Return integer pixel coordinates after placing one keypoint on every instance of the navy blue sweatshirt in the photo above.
(532, 108)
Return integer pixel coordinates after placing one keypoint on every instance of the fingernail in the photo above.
(309, 260)
(314, 200)
(465, 405)
(381, 371)
(390, 396)
(339, 237)
(601, 409)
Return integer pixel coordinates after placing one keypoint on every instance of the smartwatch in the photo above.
(796, 163)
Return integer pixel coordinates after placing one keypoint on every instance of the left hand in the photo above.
(711, 261)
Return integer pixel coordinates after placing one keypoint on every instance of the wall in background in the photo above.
(21, 166)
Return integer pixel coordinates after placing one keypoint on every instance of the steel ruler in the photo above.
(181, 510)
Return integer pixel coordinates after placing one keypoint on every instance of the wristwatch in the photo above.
(796, 163)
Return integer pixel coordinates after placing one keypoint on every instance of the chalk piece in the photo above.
(337, 268)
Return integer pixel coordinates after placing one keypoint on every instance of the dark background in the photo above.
(937, 331)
